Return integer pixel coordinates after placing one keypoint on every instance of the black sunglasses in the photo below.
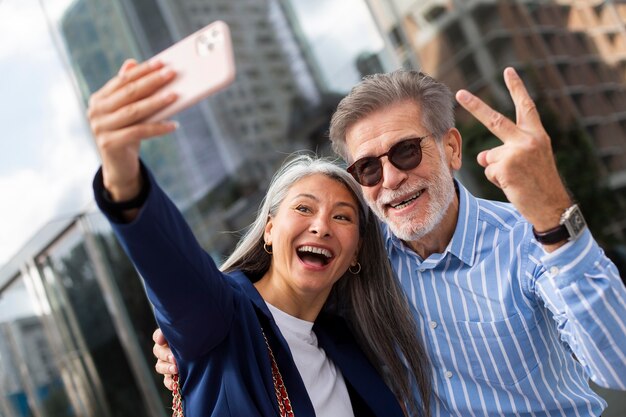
(404, 155)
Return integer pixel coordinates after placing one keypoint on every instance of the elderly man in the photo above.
(517, 304)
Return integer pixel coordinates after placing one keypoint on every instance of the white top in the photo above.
(322, 380)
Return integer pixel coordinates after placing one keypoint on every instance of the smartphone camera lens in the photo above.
(205, 44)
(209, 40)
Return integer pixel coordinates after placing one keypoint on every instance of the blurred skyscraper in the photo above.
(229, 145)
(81, 292)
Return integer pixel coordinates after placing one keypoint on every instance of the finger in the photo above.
(497, 124)
(164, 354)
(168, 382)
(138, 89)
(481, 158)
(492, 156)
(496, 154)
(132, 92)
(158, 337)
(131, 113)
(128, 64)
(147, 130)
(129, 136)
(490, 173)
(525, 109)
(124, 77)
(132, 74)
(165, 368)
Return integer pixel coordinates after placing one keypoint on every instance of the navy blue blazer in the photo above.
(213, 323)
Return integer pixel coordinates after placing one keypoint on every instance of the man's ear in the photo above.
(452, 146)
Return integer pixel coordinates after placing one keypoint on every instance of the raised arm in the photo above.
(523, 166)
(193, 302)
(574, 279)
(115, 115)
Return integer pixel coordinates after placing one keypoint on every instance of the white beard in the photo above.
(418, 224)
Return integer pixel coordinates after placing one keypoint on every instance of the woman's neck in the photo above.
(297, 304)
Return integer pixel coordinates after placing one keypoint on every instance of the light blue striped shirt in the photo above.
(502, 320)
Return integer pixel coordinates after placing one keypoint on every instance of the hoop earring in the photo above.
(265, 248)
(358, 265)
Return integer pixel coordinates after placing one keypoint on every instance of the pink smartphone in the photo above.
(204, 64)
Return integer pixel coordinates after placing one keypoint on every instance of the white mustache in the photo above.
(407, 190)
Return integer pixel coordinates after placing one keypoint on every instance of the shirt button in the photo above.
(554, 270)
(448, 374)
(433, 324)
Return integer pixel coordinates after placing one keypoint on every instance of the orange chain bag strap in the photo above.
(284, 404)
(177, 398)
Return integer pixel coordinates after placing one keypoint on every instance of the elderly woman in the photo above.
(304, 318)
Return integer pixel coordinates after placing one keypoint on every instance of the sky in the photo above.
(335, 43)
(47, 155)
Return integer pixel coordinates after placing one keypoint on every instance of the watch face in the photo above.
(578, 222)
(575, 222)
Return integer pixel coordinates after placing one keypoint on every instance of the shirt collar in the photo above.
(463, 243)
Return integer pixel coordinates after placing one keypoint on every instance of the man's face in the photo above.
(415, 201)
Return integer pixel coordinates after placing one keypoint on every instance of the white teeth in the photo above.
(313, 249)
(406, 202)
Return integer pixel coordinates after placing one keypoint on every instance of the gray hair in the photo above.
(372, 302)
(378, 91)
(249, 250)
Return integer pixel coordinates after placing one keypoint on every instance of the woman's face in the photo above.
(314, 236)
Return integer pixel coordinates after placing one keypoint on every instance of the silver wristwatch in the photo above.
(571, 226)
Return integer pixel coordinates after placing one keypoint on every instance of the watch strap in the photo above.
(571, 226)
(552, 236)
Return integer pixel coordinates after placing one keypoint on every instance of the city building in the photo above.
(572, 55)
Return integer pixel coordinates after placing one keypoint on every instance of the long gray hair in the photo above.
(372, 303)
(377, 91)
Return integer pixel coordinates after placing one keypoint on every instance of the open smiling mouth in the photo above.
(405, 203)
(314, 256)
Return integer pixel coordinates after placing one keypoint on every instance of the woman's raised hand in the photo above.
(116, 113)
